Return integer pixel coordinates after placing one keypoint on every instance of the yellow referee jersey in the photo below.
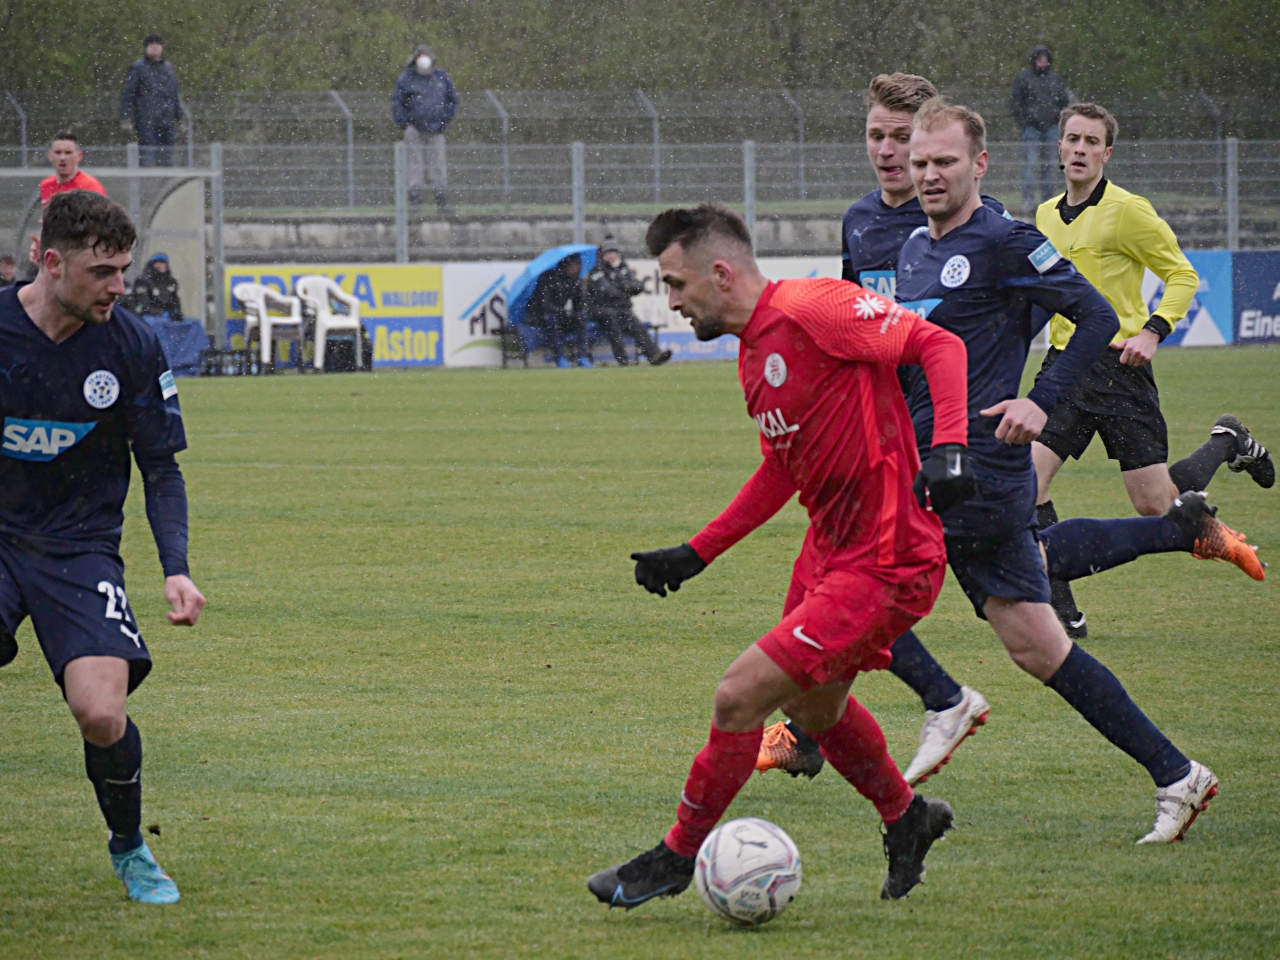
(1110, 243)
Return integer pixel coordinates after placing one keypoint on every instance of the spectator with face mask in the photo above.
(422, 105)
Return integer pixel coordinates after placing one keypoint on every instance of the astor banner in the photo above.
(401, 307)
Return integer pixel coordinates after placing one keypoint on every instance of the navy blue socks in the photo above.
(915, 666)
(116, 775)
(1094, 692)
(1079, 547)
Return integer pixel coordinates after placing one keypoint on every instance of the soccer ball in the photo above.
(748, 870)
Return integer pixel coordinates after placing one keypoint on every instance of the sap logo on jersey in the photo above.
(883, 282)
(40, 439)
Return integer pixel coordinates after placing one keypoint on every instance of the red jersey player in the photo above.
(817, 362)
(64, 156)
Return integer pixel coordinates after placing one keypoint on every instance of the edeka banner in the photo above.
(475, 306)
(1257, 296)
(400, 305)
(1208, 319)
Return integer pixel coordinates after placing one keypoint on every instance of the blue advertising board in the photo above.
(1208, 319)
(1257, 296)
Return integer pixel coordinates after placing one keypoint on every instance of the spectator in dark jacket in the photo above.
(422, 105)
(607, 290)
(1039, 94)
(554, 308)
(150, 104)
(155, 292)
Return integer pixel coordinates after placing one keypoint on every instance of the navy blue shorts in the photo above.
(77, 606)
(1009, 567)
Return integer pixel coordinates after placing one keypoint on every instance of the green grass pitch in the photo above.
(426, 699)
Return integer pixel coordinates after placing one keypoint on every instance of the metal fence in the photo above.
(28, 119)
(1216, 193)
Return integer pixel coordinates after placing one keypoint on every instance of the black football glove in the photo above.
(661, 570)
(945, 478)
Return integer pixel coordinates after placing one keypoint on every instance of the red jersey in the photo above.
(817, 365)
(81, 181)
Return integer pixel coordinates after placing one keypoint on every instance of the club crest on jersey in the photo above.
(101, 389)
(955, 271)
(775, 370)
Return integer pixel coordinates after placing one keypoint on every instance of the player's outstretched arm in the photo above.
(185, 600)
(661, 570)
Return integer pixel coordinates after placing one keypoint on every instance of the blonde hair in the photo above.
(903, 92)
(939, 112)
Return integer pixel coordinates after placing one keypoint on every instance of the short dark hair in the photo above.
(1094, 112)
(8, 260)
(81, 219)
(690, 227)
(65, 135)
(899, 91)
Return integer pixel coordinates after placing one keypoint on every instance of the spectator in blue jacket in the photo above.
(422, 105)
(150, 105)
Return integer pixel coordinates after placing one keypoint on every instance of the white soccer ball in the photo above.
(748, 870)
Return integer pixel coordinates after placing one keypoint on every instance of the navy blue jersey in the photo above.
(872, 235)
(73, 412)
(983, 281)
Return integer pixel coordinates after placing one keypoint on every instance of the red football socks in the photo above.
(718, 773)
(855, 747)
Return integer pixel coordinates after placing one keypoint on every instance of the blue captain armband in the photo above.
(1044, 257)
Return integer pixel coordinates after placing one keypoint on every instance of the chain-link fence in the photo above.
(29, 119)
(1215, 193)
(330, 154)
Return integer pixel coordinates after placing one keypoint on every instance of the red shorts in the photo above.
(848, 620)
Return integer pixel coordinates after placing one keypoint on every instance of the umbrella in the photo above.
(521, 288)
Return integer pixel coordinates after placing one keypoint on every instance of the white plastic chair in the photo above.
(317, 293)
(259, 301)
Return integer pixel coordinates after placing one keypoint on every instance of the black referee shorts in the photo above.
(1118, 403)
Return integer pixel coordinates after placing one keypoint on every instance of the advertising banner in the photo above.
(1208, 319)
(401, 306)
(1257, 296)
(475, 306)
